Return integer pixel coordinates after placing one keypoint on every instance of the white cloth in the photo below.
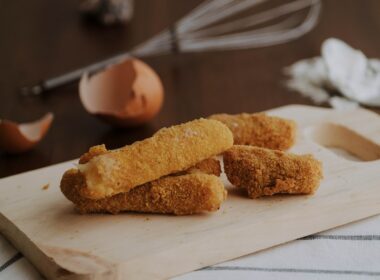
(347, 252)
(339, 68)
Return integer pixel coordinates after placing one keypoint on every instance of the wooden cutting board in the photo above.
(64, 245)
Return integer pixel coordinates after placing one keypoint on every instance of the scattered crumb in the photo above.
(147, 219)
(45, 187)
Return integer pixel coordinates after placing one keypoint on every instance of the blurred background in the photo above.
(42, 38)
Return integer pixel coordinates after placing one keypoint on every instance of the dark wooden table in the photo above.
(43, 38)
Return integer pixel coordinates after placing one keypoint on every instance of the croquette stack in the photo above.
(175, 170)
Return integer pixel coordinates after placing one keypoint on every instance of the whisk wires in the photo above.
(201, 29)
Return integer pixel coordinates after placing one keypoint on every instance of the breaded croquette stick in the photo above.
(168, 151)
(267, 172)
(260, 130)
(208, 166)
(93, 152)
(179, 195)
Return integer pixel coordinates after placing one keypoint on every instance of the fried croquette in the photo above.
(208, 166)
(170, 150)
(267, 172)
(260, 130)
(93, 152)
(192, 191)
(180, 195)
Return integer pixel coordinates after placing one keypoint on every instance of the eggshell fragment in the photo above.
(17, 138)
(127, 94)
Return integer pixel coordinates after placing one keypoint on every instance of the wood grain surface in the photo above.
(42, 38)
(62, 244)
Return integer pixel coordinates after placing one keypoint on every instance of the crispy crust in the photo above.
(179, 195)
(207, 166)
(170, 150)
(267, 172)
(176, 194)
(260, 130)
(93, 152)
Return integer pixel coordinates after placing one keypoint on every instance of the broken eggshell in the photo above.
(18, 138)
(127, 94)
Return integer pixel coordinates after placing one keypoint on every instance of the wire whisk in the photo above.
(207, 28)
(200, 30)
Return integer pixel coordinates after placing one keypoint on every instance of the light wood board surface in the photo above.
(62, 244)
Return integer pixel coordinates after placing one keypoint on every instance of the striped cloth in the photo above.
(348, 252)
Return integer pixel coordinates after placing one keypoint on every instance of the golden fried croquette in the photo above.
(260, 130)
(179, 195)
(93, 152)
(168, 151)
(266, 172)
(191, 191)
(208, 166)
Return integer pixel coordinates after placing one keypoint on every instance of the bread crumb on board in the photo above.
(45, 187)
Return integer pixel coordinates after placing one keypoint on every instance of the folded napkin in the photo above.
(342, 69)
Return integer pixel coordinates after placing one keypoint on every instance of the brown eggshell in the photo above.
(127, 94)
(18, 138)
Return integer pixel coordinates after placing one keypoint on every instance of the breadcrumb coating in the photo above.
(267, 172)
(179, 195)
(170, 150)
(208, 166)
(183, 193)
(260, 130)
(93, 152)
